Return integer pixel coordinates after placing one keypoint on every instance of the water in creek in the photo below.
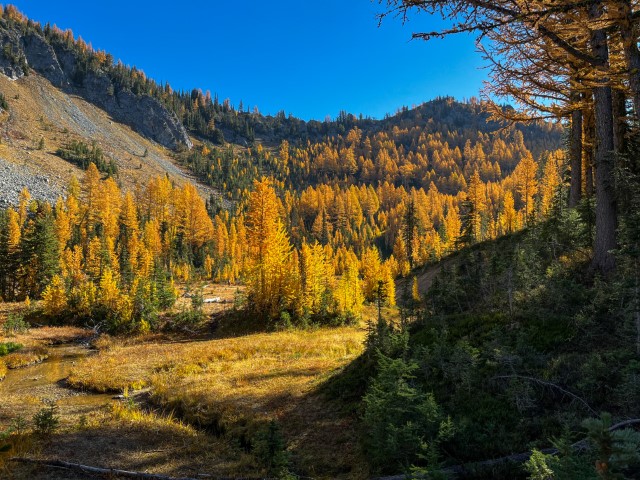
(25, 389)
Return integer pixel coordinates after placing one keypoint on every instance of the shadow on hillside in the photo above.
(324, 438)
(133, 446)
(426, 274)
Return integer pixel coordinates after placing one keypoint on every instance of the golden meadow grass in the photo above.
(233, 385)
(34, 344)
(274, 362)
(25, 357)
(42, 336)
(100, 431)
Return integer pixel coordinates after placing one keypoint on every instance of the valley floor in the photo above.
(184, 405)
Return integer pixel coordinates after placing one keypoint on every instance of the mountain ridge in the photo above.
(26, 46)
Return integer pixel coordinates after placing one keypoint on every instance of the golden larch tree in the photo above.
(268, 272)
(195, 222)
(550, 182)
(348, 294)
(527, 185)
(315, 277)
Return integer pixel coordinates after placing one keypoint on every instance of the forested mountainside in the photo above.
(127, 93)
(353, 185)
(442, 142)
(388, 191)
(421, 292)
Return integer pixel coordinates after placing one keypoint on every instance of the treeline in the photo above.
(100, 255)
(409, 157)
(104, 256)
(408, 225)
(336, 246)
(208, 118)
(410, 192)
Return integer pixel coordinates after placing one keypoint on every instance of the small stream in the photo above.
(46, 380)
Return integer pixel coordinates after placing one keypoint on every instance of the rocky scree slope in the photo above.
(40, 118)
(26, 48)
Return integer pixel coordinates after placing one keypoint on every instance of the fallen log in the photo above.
(114, 472)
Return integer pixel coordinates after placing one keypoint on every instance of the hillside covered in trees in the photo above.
(376, 197)
(490, 252)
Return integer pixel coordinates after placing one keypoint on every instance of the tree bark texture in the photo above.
(575, 155)
(588, 128)
(606, 211)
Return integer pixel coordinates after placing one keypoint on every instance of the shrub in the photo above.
(285, 321)
(165, 292)
(8, 347)
(616, 450)
(404, 424)
(270, 448)
(19, 425)
(83, 154)
(537, 467)
(197, 300)
(15, 324)
(46, 420)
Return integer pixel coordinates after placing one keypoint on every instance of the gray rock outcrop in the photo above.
(22, 51)
(42, 58)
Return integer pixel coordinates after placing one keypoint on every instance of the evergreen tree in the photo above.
(40, 252)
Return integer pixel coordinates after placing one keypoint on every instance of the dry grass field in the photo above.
(188, 404)
(233, 386)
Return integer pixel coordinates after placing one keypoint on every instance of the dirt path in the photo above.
(426, 275)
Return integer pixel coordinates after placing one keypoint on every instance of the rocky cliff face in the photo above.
(20, 52)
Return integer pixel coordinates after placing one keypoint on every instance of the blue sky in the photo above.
(311, 59)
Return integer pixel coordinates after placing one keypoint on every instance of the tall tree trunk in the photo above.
(606, 211)
(619, 119)
(589, 132)
(631, 52)
(575, 154)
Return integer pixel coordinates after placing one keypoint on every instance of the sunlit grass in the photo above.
(232, 386)
(25, 357)
(33, 342)
(47, 336)
(128, 412)
(229, 361)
